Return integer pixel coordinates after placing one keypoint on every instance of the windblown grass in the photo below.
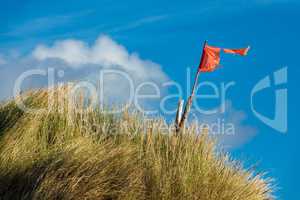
(64, 154)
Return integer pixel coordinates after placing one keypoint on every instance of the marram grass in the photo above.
(64, 154)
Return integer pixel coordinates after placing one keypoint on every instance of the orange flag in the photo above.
(242, 52)
(210, 59)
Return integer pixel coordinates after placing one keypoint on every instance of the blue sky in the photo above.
(170, 34)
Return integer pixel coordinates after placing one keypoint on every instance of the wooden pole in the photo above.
(178, 114)
(190, 100)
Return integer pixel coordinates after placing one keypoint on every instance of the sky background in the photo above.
(170, 34)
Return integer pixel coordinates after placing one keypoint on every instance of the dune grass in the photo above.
(64, 154)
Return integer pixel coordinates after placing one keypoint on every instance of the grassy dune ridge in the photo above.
(64, 154)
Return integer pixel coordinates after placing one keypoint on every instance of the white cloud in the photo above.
(36, 25)
(105, 53)
(139, 22)
(228, 128)
(2, 60)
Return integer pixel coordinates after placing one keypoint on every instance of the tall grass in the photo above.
(64, 154)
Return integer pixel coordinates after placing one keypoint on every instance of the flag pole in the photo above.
(190, 99)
